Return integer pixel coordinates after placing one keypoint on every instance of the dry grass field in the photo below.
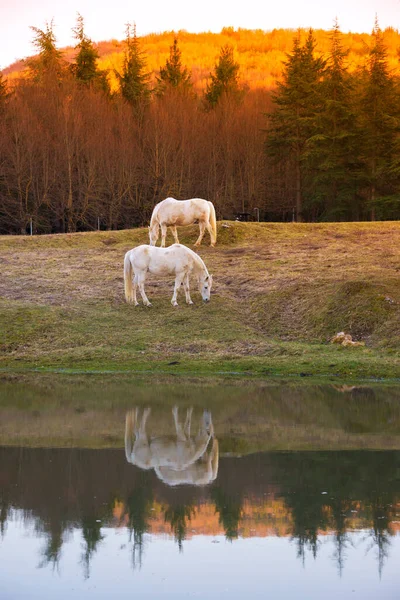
(281, 291)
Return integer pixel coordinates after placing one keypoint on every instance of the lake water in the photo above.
(261, 489)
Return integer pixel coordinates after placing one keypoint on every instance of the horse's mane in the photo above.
(154, 214)
(200, 264)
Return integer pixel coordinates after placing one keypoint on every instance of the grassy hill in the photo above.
(281, 291)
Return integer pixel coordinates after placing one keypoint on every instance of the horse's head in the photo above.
(154, 231)
(205, 283)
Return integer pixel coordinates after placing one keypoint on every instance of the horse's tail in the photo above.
(213, 223)
(128, 283)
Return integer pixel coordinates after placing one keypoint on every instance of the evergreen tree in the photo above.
(380, 124)
(173, 74)
(48, 66)
(334, 148)
(295, 120)
(85, 66)
(134, 80)
(4, 93)
(224, 80)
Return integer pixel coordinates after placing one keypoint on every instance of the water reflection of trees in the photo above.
(230, 510)
(4, 513)
(178, 517)
(320, 492)
(51, 553)
(138, 505)
(325, 490)
(91, 533)
(340, 508)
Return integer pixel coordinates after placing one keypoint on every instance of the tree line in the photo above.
(323, 145)
(363, 496)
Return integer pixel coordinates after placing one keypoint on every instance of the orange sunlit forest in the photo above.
(282, 124)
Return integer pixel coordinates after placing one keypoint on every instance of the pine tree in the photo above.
(49, 65)
(334, 149)
(85, 66)
(295, 120)
(134, 80)
(173, 75)
(380, 123)
(224, 80)
(4, 93)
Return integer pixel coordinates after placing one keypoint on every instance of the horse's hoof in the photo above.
(174, 303)
(148, 304)
(190, 302)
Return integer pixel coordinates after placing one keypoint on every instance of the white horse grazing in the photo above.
(176, 259)
(171, 212)
(175, 458)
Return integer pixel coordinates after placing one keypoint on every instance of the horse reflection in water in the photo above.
(177, 459)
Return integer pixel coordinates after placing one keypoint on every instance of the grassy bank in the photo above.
(281, 291)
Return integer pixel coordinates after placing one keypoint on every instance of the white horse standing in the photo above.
(177, 459)
(171, 212)
(176, 259)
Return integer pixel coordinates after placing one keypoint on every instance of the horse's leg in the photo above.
(186, 288)
(180, 435)
(136, 422)
(142, 447)
(178, 282)
(188, 421)
(135, 284)
(202, 227)
(145, 416)
(174, 233)
(210, 231)
(163, 234)
(141, 280)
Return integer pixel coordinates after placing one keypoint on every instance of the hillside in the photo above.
(281, 292)
(259, 53)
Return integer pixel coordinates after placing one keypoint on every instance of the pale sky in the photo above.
(107, 20)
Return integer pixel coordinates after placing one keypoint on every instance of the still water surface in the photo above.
(259, 490)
